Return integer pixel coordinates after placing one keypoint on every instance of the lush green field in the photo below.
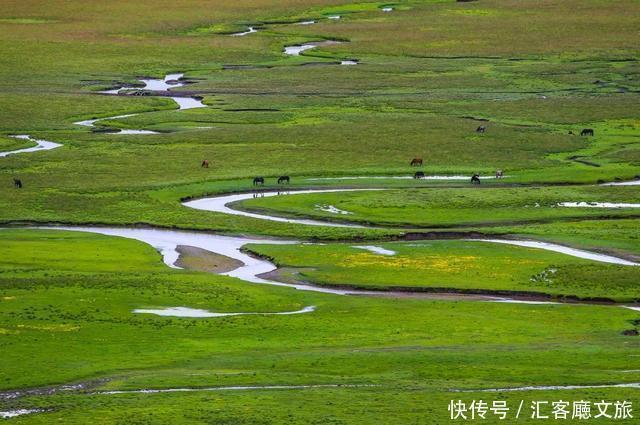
(533, 72)
(419, 96)
(414, 351)
(480, 267)
(447, 207)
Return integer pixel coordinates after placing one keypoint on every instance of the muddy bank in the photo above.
(194, 258)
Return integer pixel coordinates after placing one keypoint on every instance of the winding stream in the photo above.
(296, 49)
(193, 312)
(8, 414)
(250, 30)
(167, 242)
(231, 388)
(223, 204)
(170, 81)
(598, 205)
(587, 255)
(41, 145)
(220, 204)
(627, 183)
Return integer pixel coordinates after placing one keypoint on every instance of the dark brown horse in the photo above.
(258, 181)
(587, 132)
(284, 179)
(416, 162)
(205, 163)
(17, 183)
(418, 175)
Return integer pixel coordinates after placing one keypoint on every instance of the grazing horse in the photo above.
(205, 163)
(17, 183)
(475, 179)
(587, 132)
(499, 174)
(418, 175)
(570, 133)
(481, 129)
(416, 162)
(284, 179)
(258, 181)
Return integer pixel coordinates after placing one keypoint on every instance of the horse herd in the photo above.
(259, 181)
(475, 178)
(584, 132)
(415, 162)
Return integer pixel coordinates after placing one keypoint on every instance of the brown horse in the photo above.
(416, 162)
(205, 163)
(499, 174)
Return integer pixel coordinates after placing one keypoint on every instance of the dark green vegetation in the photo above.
(429, 73)
(413, 350)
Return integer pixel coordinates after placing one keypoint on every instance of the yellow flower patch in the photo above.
(50, 328)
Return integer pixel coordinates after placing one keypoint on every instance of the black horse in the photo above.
(587, 132)
(17, 183)
(481, 129)
(258, 181)
(418, 175)
(475, 179)
(284, 179)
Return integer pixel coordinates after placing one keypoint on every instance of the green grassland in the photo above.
(412, 350)
(429, 73)
(10, 144)
(453, 207)
(475, 267)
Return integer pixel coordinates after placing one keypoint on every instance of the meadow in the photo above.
(410, 352)
(464, 266)
(428, 73)
(454, 207)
